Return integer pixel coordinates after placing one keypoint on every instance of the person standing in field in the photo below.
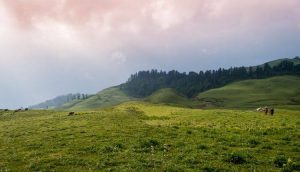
(266, 111)
(272, 111)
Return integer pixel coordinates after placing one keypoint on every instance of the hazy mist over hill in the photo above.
(50, 48)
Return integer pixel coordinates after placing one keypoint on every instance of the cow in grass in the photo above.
(18, 110)
(71, 113)
(260, 109)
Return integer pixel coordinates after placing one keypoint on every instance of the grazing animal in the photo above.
(71, 113)
(260, 109)
(26, 109)
(18, 110)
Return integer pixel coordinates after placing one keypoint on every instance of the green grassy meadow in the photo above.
(137, 136)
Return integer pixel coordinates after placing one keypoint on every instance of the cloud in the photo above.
(60, 46)
(118, 58)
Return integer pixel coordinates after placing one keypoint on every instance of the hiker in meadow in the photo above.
(266, 111)
(272, 111)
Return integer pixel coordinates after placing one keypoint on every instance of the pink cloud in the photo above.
(65, 40)
(144, 15)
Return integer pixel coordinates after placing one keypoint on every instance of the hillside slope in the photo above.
(107, 97)
(60, 101)
(171, 97)
(275, 91)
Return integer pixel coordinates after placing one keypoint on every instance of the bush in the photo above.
(290, 166)
(202, 147)
(269, 147)
(189, 132)
(253, 143)
(192, 161)
(236, 158)
(147, 145)
(280, 161)
(107, 149)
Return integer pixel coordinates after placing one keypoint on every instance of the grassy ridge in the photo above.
(105, 98)
(273, 63)
(275, 91)
(281, 91)
(170, 97)
(137, 136)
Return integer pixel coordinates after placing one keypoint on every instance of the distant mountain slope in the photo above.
(280, 90)
(181, 89)
(60, 101)
(107, 97)
(145, 83)
(273, 63)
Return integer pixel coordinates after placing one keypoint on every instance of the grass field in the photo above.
(137, 136)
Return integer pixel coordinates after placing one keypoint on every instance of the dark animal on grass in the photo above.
(71, 113)
(26, 109)
(18, 110)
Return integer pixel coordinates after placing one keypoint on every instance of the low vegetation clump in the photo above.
(280, 161)
(137, 136)
(236, 158)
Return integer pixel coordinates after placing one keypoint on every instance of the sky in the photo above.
(50, 48)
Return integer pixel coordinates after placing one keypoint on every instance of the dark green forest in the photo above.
(144, 83)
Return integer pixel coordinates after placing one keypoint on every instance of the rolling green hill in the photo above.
(281, 91)
(151, 86)
(275, 91)
(59, 101)
(105, 98)
(171, 97)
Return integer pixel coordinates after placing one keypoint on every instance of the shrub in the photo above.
(189, 132)
(107, 149)
(202, 147)
(236, 158)
(280, 160)
(176, 127)
(146, 145)
(253, 143)
(269, 147)
(90, 149)
(192, 161)
(290, 166)
(173, 168)
(287, 138)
